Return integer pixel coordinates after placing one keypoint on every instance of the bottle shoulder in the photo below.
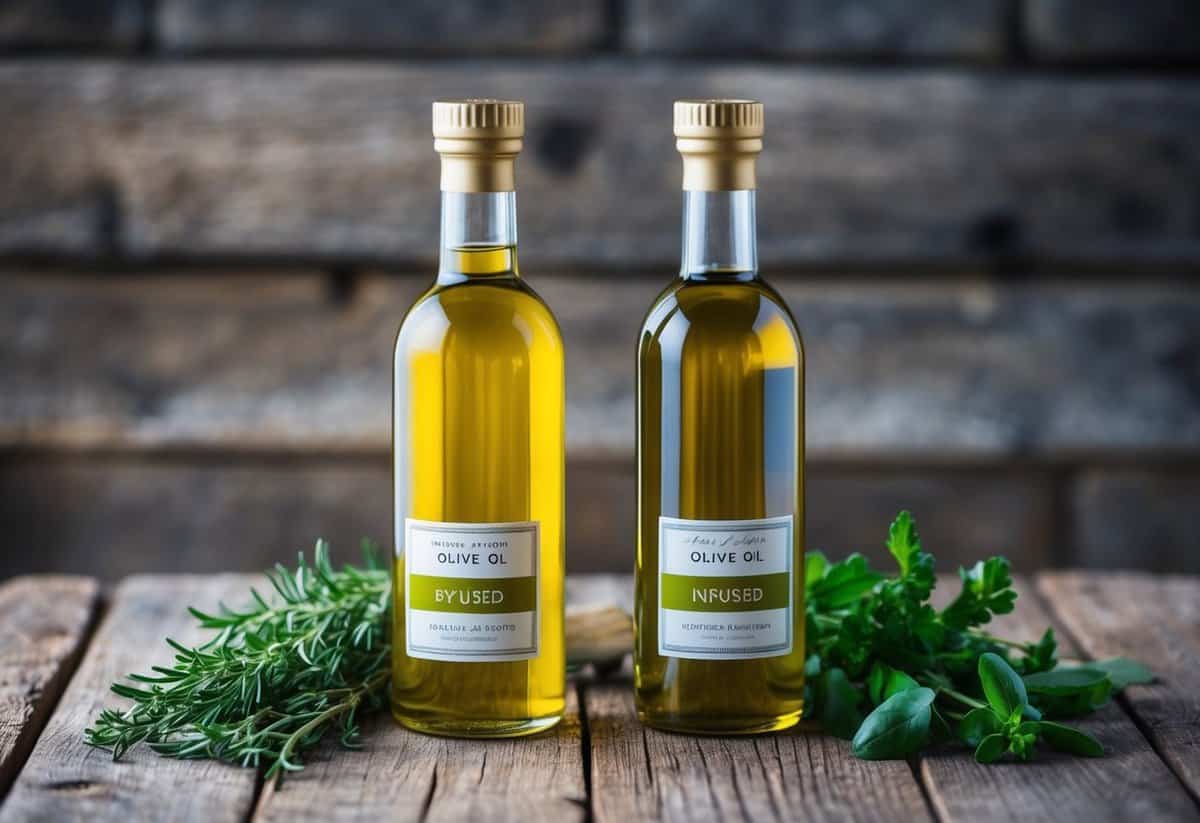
(712, 310)
(497, 307)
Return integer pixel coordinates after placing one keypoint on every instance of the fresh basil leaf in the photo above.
(991, 748)
(812, 666)
(897, 728)
(978, 724)
(1123, 672)
(1069, 692)
(1002, 686)
(842, 584)
(815, 564)
(1065, 681)
(1022, 744)
(884, 681)
(839, 701)
(1066, 738)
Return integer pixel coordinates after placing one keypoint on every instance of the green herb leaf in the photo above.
(841, 583)
(978, 724)
(1123, 672)
(1071, 691)
(274, 680)
(991, 748)
(986, 590)
(884, 681)
(1065, 738)
(897, 728)
(1002, 686)
(1066, 680)
(903, 541)
(1040, 656)
(839, 699)
(815, 564)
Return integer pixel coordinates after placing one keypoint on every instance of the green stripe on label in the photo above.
(726, 594)
(472, 595)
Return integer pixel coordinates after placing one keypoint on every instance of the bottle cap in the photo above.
(719, 141)
(479, 141)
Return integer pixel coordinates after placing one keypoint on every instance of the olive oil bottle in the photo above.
(719, 592)
(478, 460)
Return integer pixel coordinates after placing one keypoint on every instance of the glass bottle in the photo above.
(478, 442)
(719, 592)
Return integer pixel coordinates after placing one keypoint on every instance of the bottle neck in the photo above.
(479, 235)
(719, 235)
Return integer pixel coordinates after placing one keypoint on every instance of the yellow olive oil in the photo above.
(478, 648)
(719, 591)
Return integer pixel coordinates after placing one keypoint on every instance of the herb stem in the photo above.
(962, 698)
(999, 641)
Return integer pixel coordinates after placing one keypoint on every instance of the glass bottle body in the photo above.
(479, 445)
(720, 465)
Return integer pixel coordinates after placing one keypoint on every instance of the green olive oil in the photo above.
(478, 647)
(719, 592)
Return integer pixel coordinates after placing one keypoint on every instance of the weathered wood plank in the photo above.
(401, 775)
(901, 368)
(1135, 518)
(64, 779)
(243, 512)
(44, 624)
(116, 24)
(1091, 31)
(1152, 619)
(973, 29)
(426, 27)
(1129, 783)
(236, 160)
(642, 774)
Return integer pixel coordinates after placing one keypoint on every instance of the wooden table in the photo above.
(64, 639)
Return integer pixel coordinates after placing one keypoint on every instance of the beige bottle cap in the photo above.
(479, 141)
(719, 141)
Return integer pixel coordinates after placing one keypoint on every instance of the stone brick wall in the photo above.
(213, 213)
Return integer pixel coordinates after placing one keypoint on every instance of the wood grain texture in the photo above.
(643, 774)
(1093, 31)
(44, 625)
(1122, 518)
(1154, 619)
(401, 775)
(64, 779)
(240, 160)
(87, 24)
(899, 369)
(1129, 783)
(972, 29)
(423, 27)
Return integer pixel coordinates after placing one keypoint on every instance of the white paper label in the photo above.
(471, 591)
(725, 588)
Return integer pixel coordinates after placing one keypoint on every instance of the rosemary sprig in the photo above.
(274, 680)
